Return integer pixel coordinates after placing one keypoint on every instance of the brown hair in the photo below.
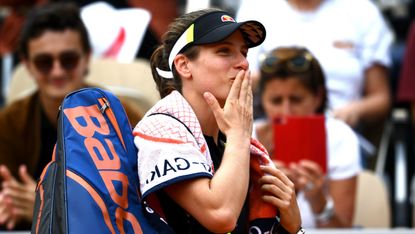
(160, 56)
(294, 62)
(57, 17)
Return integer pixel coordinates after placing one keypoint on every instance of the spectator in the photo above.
(292, 84)
(202, 62)
(348, 37)
(55, 48)
(10, 26)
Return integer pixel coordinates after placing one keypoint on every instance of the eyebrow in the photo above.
(245, 46)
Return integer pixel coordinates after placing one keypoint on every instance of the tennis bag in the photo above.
(91, 185)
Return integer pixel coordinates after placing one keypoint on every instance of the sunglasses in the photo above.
(297, 63)
(68, 61)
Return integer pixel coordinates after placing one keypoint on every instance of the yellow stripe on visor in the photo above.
(186, 38)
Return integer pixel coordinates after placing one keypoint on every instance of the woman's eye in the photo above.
(276, 101)
(296, 99)
(223, 51)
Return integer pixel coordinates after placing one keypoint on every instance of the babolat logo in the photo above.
(89, 122)
(175, 165)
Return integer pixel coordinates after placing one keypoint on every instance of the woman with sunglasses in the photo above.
(195, 146)
(352, 42)
(292, 84)
(55, 49)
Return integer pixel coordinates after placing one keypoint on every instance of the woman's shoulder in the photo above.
(339, 133)
(337, 125)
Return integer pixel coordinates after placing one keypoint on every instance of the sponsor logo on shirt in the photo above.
(176, 165)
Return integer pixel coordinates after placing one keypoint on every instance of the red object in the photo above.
(300, 137)
(258, 209)
(406, 85)
(115, 48)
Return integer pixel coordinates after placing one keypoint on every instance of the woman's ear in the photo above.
(181, 62)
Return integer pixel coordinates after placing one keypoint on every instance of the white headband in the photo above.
(186, 38)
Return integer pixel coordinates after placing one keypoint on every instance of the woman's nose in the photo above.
(243, 62)
(286, 108)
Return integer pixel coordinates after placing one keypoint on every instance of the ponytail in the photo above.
(164, 86)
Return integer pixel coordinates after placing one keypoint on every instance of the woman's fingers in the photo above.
(237, 114)
(278, 174)
(236, 86)
(246, 90)
(241, 89)
(214, 106)
(278, 189)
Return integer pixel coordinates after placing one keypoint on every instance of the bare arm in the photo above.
(217, 202)
(343, 193)
(375, 103)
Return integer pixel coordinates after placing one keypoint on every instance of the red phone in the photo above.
(300, 137)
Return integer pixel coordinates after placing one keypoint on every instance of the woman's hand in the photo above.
(236, 117)
(309, 178)
(283, 167)
(280, 192)
(350, 114)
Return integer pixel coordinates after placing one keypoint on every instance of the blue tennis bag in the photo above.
(91, 185)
